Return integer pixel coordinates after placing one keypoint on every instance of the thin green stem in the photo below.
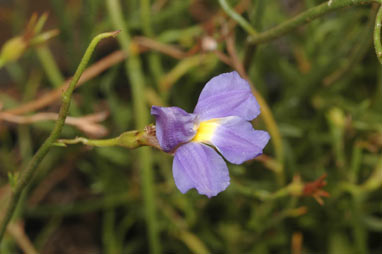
(90, 142)
(50, 67)
(238, 18)
(128, 139)
(377, 35)
(135, 75)
(183, 67)
(304, 18)
(40, 23)
(355, 164)
(28, 173)
(154, 58)
(359, 231)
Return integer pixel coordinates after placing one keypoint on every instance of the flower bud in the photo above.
(12, 50)
(337, 117)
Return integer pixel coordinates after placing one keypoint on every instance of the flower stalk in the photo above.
(129, 139)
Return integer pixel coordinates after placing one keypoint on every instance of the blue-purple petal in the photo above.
(174, 126)
(199, 166)
(237, 141)
(227, 95)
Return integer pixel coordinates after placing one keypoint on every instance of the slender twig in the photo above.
(182, 68)
(266, 113)
(87, 124)
(55, 176)
(133, 69)
(17, 231)
(152, 44)
(224, 58)
(377, 35)
(28, 173)
(238, 18)
(94, 70)
(304, 18)
(51, 97)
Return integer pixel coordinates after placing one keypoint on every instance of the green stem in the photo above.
(377, 35)
(135, 75)
(238, 18)
(359, 230)
(304, 18)
(183, 67)
(28, 173)
(90, 142)
(154, 58)
(50, 67)
(355, 165)
(129, 139)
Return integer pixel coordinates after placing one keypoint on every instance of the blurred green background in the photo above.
(322, 83)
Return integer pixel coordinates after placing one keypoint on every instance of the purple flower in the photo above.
(220, 119)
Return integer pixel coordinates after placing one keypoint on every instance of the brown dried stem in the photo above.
(53, 96)
(266, 111)
(87, 124)
(93, 71)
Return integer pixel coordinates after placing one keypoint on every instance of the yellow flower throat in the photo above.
(206, 131)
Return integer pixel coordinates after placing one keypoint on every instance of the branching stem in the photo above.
(237, 17)
(304, 18)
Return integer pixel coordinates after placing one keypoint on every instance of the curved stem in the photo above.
(377, 35)
(304, 18)
(28, 173)
(238, 18)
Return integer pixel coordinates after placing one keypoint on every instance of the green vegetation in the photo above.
(316, 71)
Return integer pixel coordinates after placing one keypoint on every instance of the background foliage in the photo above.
(322, 83)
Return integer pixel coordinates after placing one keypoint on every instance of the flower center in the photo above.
(206, 130)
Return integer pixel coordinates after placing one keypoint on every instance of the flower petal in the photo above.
(236, 139)
(227, 95)
(199, 166)
(173, 126)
